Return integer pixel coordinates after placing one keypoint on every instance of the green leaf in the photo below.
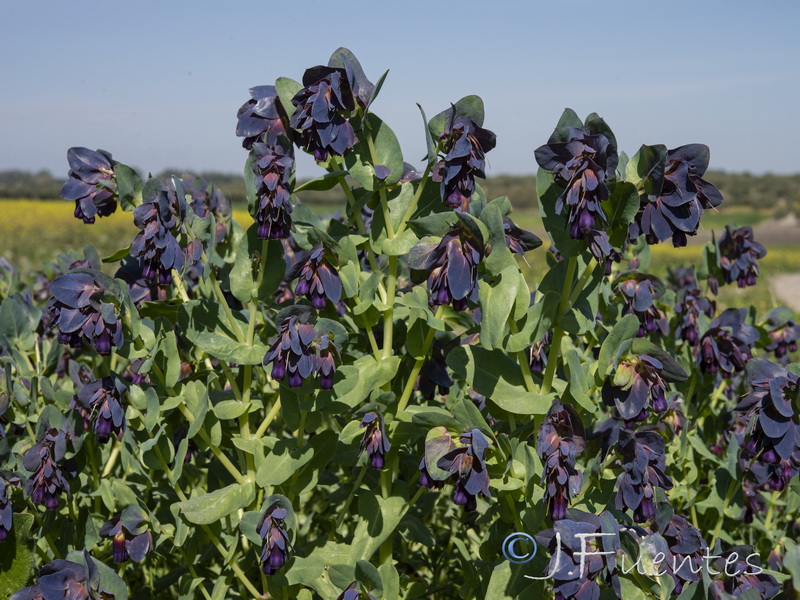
(540, 318)
(360, 163)
(621, 209)
(18, 322)
(497, 301)
(494, 375)
(645, 169)
(283, 460)
(195, 396)
(287, 89)
(390, 580)
(547, 192)
(327, 182)
(205, 324)
(379, 518)
(118, 255)
(468, 106)
(248, 263)
(672, 371)
(624, 330)
(210, 508)
(129, 187)
(578, 382)
(368, 575)
(363, 376)
(17, 556)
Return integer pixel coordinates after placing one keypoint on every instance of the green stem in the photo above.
(219, 454)
(721, 519)
(112, 459)
(522, 359)
(273, 412)
(346, 507)
(231, 379)
(388, 316)
(413, 206)
(412, 377)
(773, 500)
(558, 332)
(582, 281)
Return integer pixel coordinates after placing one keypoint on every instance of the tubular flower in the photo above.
(48, 481)
(774, 431)
(738, 256)
(205, 199)
(687, 550)
(783, 332)
(744, 576)
(261, 117)
(273, 164)
(639, 292)
(636, 386)
(560, 440)
(6, 508)
(465, 147)
(438, 444)
(131, 539)
(78, 309)
(375, 441)
(466, 462)
(155, 245)
(726, 346)
(354, 591)
(537, 354)
(276, 548)
(324, 107)
(451, 269)
(101, 404)
(581, 165)
(327, 356)
(433, 374)
(674, 208)
(91, 184)
(317, 278)
(689, 309)
(131, 271)
(643, 464)
(66, 580)
(296, 352)
(519, 240)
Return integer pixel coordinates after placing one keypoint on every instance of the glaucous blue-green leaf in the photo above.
(129, 187)
(361, 162)
(205, 324)
(212, 506)
(17, 556)
(539, 319)
(547, 193)
(645, 169)
(621, 208)
(282, 461)
(328, 181)
(672, 371)
(623, 331)
(18, 322)
(378, 519)
(497, 301)
(363, 376)
(250, 257)
(468, 106)
(287, 88)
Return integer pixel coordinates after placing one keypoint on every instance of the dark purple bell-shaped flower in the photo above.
(131, 271)
(101, 402)
(354, 591)
(48, 480)
(519, 240)
(466, 462)
(155, 245)
(738, 256)
(644, 465)
(66, 580)
(91, 184)
(375, 441)
(689, 308)
(740, 571)
(260, 116)
(581, 165)
(327, 357)
(561, 438)
(276, 549)
(636, 386)
(298, 353)
(679, 198)
(640, 292)
(7, 482)
(727, 345)
(434, 375)
(318, 279)
(130, 537)
(687, 549)
(783, 332)
(465, 147)
(273, 164)
(323, 109)
(537, 354)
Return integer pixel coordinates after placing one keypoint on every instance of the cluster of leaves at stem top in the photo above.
(371, 404)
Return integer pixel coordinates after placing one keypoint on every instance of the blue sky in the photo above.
(158, 83)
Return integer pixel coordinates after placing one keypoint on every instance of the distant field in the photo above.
(33, 232)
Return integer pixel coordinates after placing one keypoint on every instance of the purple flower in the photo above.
(317, 277)
(738, 256)
(66, 580)
(561, 438)
(451, 268)
(537, 354)
(726, 346)
(640, 292)
(91, 184)
(636, 386)
(375, 441)
(465, 147)
(689, 308)
(298, 353)
(673, 207)
(324, 107)
(783, 332)
(354, 591)
(687, 549)
(261, 117)
(581, 165)
(466, 462)
(273, 164)
(7, 482)
(643, 463)
(155, 245)
(48, 481)
(101, 404)
(276, 548)
(519, 240)
(130, 537)
(79, 310)
(745, 577)
(434, 374)
(131, 271)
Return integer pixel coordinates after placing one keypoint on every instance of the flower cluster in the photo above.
(738, 256)
(130, 537)
(519, 240)
(637, 385)
(640, 292)
(741, 576)
(91, 184)
(375, 441)
(155, 245)
(783, 331)
(687, 549)
(49, 479)
(100, 403)
(433, 375)
(205, 199)
(677, 201)
(6, 508)
(689, 308)
(79, 310)
(726, 346)
(317, 277)
(322, 117)
(465, 147)
(466, 463)
(354, 591)
(451, 269)
(537, 353)
(643, 464)
(581, 165)
(66, 580)
(560, 440)
(298, 353)
(276, 548)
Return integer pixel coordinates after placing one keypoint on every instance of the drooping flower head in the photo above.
(354, 591)
(465, 145)
(141, 290)
(262, 117)
(451, 268)
(91, 184)
(130, 536)
(7, 483)
(276, 548)
(48, 480)
(692, 306)
(318, 279)
(783, 331)
(687, 549)
(434, 375)
(726, 346)
(85, 309)
(561, 438)
(739, 571)
(581, 163)
(66, 580)
(537, 353)
(640, 292)
(644, 465)
(672, 203)
(637, 385)
(466, 463)
(300, 353)
(101, 404)
(738, 256)
(155, 245)
(438, 443)
(375, 441)
(205, 199)
(519, 240)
